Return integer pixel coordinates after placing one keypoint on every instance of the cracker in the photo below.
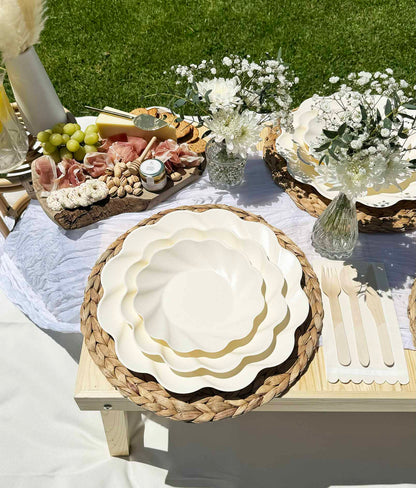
(170, 118)
(183, 129)
(198, 147)
(193, 136)
(138, 111)
(152, 112)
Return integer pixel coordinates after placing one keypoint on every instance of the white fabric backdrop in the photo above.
(43, 269)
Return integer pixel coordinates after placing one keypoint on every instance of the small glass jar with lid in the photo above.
(153, 174)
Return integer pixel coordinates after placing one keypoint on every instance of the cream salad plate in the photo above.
(301, 164)
(198, 296)
(275, 313)
(127, 347)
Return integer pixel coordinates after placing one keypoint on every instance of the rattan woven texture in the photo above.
(397, 218)
(411, 310)
(205, 405)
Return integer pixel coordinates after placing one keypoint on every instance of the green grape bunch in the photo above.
(68, 141)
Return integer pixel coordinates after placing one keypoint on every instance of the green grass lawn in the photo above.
(114, 52)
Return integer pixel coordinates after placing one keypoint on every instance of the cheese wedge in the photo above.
(110, 125)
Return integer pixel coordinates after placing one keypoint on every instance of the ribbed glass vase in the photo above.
(335, 232)
(224, 170)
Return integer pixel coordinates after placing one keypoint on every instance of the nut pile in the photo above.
(120, 182)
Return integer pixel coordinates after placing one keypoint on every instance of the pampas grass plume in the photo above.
(21, 23)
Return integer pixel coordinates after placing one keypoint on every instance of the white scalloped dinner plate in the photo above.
(118, 308)
(198, 295)
(301, 164)
(181, 382)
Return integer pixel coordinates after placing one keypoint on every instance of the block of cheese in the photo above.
(110, 125)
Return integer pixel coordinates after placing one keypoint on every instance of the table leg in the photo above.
(116, 432)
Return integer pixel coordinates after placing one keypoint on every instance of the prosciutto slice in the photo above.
(187, 157)
(122, 151)
(179, 156)
(167, 151)
(70, 173)
(106, 143)
(45, 167)
(138, 143)
(96, 163)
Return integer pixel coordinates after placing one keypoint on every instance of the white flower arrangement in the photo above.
(85, 194)
(229, 96)
(366, 126)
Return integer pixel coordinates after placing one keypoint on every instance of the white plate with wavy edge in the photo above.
(261, 336)
(126, 347)
(198, 295)
(294, 148)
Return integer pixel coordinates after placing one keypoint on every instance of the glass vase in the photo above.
(224, 170)
(13, 138)
(335, 232)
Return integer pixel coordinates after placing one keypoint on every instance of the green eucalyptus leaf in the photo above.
(331, 134)
(406, 116)
(341, 129)
(180, 102)
(409, 106)
(332, 153)
(323, 146)
(363, 113)
(342, 143)
(387, 123)
(387, 108)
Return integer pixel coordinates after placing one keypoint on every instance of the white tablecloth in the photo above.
(43, 269)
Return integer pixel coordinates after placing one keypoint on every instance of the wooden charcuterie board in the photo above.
(83, 216)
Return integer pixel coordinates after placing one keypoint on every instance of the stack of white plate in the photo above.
(294, 147)
(202, 300)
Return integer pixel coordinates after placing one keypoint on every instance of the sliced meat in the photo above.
(139, 144)
(177, 155)
(96, 163)
(45, 167)
(122, 151)
(106, 143)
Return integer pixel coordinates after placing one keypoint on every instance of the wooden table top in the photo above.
(312, 393)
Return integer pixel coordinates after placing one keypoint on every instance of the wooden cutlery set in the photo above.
(348, 280)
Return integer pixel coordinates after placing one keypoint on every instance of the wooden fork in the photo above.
(332, 288)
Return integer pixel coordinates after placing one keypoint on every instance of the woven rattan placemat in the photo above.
(411, 310)
(205, 405)
(397, 218)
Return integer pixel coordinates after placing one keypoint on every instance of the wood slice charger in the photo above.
(82, 216)
(397, 218)
(207, 404)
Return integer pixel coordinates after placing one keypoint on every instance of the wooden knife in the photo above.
(373, 301)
